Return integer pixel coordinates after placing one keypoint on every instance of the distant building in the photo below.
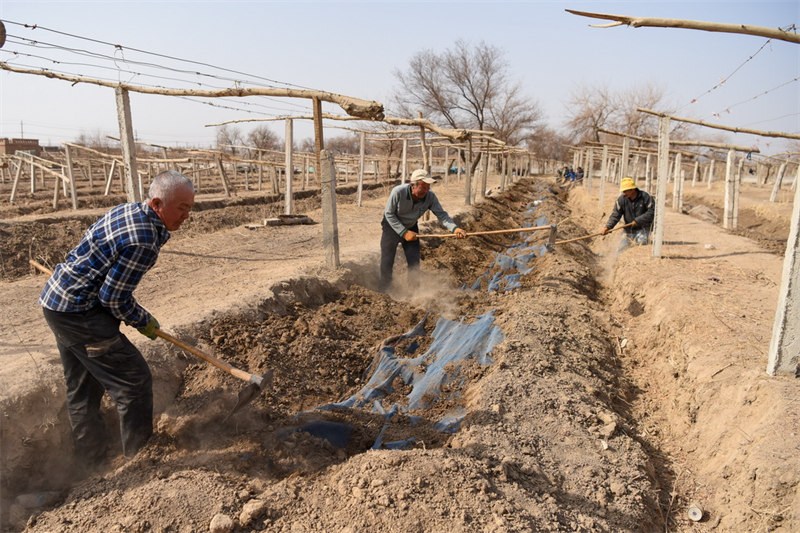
(10, 146)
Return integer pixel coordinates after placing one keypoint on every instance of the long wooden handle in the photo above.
(222, 365)
(594, 234)
(490, 232)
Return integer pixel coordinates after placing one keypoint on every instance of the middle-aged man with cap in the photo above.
(85, 300)
(407, 202)
(636, 206)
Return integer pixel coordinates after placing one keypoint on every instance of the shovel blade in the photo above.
(252, 390)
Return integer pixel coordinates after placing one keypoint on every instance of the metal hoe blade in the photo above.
(256, 385)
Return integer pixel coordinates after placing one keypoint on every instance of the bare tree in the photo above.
(264, 138)
(228, 137)
(593, 107)
(547, 143)
(97, 140)
(590, 108)
(346, 144)
(466, 87)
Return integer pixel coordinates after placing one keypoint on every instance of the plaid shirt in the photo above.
(108, 264)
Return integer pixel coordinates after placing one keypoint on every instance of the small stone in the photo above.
(221, 524)
(252, 510)
(608, 429)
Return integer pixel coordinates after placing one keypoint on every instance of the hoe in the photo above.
(255, 383)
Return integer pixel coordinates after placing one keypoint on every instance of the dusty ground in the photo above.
(624, 390)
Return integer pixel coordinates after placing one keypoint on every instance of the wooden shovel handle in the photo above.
(491, 232)
(594, 234)
(222, 365)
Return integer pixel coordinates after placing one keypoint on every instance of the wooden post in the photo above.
(330, 228)
(404, 172)
(446, 164)
(484, 177)
(423, 146)
(776, 187)
(711, 173)
(676, 187)
(319, 141)
(626, 150)
(503, 167)
(71, 176)
(509, 165)
(17, 174)
(727, 216)
(289, 162)
(662, 177)
(468, 180)
(784, 347)
(33, 177)
(603, 176)
(737, 187)
(588, 171)
(133, 182)
(56, 186)
(110, 178)
(361, 150)
(223, 175)
(260, 170)
(695, 173)
(305, 171)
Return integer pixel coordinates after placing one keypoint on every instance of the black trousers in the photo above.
(97, 358)
(389, 241)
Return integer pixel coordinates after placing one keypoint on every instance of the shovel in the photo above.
(255, 383)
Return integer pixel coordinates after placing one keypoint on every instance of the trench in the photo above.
(350, 364)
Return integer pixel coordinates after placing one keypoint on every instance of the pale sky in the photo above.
(354, 48)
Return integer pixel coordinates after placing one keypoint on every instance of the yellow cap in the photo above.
(626, 184)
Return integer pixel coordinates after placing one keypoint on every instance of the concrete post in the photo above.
(662, 177)
(133, 183)
(776, 187)
(330, 226)
(784, 347)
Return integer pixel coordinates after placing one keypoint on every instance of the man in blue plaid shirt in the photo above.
(88, 296)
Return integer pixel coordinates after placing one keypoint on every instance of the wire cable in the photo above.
(165, 56)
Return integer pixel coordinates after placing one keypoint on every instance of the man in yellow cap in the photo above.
(634, 206)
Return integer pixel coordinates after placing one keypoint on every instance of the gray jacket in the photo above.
(402, 211)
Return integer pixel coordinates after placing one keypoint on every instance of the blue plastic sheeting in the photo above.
(454, 344)
(337, 433)
(507, 268)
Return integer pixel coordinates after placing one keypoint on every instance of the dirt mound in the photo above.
(585, 419)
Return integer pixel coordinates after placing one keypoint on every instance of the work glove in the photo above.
(459, 233)
(149, 329)
(410, 235)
